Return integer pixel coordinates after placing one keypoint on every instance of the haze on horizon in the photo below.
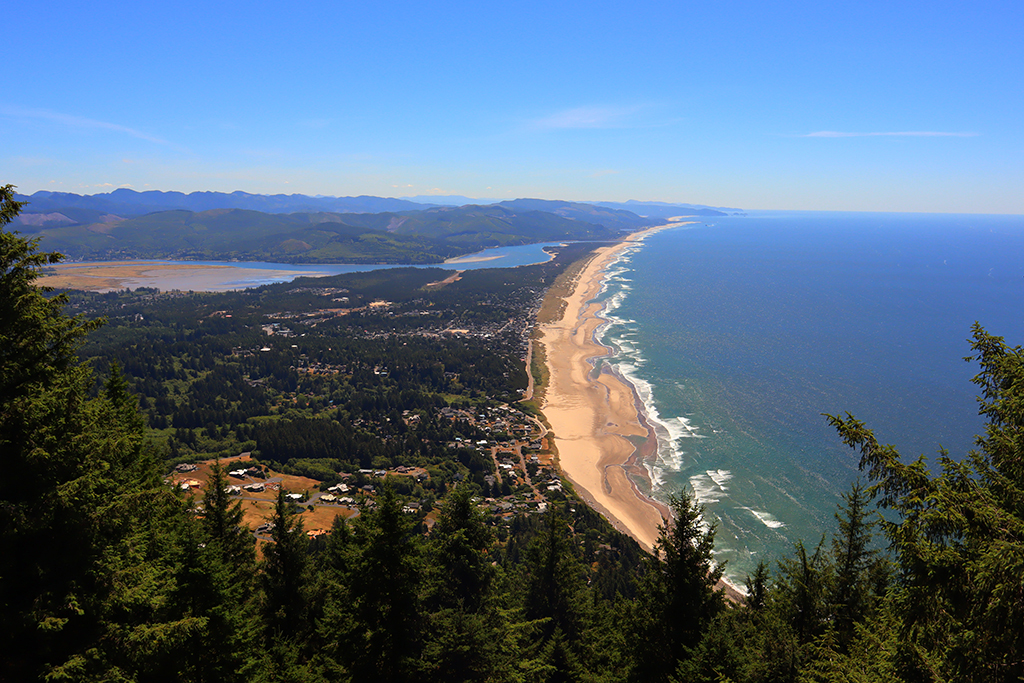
(866, 106)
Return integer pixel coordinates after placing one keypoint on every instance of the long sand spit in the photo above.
(105, 276)
(599, 427)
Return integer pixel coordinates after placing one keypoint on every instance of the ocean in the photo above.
(739, 332)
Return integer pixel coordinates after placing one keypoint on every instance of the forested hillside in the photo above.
(107, 573)
(409, 236)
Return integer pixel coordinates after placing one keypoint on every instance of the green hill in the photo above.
(426, 236)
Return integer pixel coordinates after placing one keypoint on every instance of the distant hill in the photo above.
(500, 224)
(665, 210)
(610, 217)
(128, 203)
(448, 200)
(225, 234)
(302, 229)
(426, 236)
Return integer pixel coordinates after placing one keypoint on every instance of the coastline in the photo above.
(595, 415)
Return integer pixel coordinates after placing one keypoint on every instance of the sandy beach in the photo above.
(599, 429)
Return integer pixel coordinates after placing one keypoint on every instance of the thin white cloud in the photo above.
(899, 134)
(78, 122)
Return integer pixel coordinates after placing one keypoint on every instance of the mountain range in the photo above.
(300, 228)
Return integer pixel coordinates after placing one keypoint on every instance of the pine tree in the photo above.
(84, 521)
(286, 590)
(385, 581)
(285, 570)
(554, 578)
(89, 535)
(678, 598)
(464, 625)
(460, 561)
(215, 580)
(801, 591)
(957, 538)
(757, 588)
(853, 559)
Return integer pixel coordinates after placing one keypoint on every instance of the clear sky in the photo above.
(874, 106)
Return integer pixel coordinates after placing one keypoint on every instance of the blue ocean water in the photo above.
(739, 332)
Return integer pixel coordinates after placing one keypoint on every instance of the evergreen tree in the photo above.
(385, 581)
(757, 588)
(216, 581)
(460, 547)
(801, 591)
(87, 530)
(463, 625)
(855, 568)
(285, 581)
(334, 625)
(554, 580)
(957, 538)
(678, 598)
(285, 570)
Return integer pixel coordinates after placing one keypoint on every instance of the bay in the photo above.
(234, 275)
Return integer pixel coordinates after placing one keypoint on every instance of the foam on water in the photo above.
(706, 489)
(720, 477)
(656, 474)
(764, 517)
(627, 359)
(710, 485)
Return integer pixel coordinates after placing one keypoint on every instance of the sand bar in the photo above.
(105, 276)
(599, 427)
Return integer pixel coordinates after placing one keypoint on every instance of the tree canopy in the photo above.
(109, 574)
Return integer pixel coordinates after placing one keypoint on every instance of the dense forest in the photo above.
(108, 574)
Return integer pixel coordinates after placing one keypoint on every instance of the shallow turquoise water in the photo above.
(739, 334)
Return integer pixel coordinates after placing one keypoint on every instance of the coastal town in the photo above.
(518, 464)
(525, 476)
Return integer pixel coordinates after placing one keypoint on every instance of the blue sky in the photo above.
(873, 106)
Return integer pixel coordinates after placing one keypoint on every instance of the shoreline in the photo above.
(597, 418)
(598, 423)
